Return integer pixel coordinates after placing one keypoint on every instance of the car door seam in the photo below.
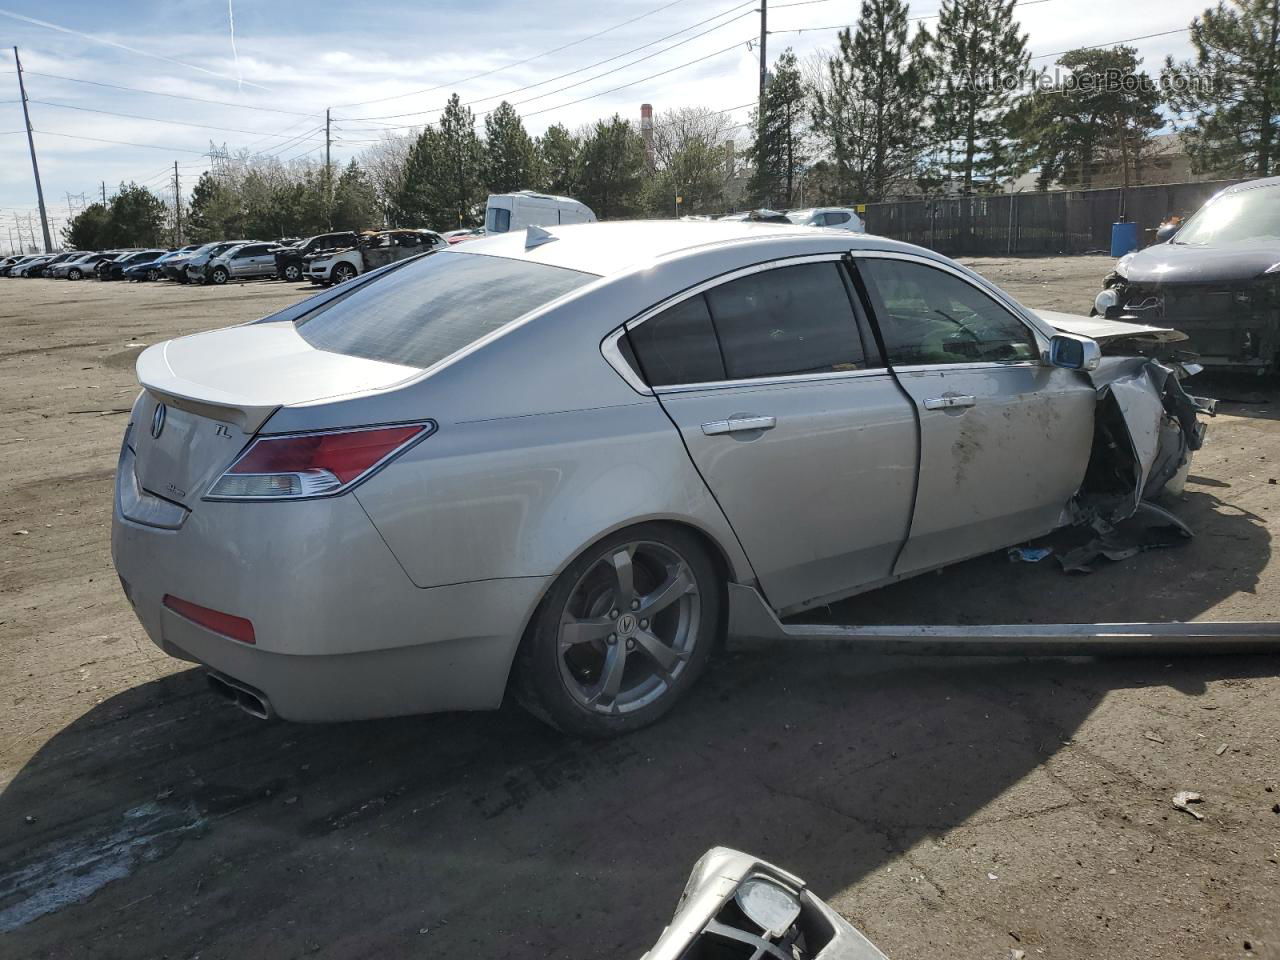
(873, 322)
(707, 486)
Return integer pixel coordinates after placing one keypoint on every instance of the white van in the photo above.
(524, 208)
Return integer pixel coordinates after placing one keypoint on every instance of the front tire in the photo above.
(292, 272)
(343, 272)
(154, 275)
(219, 276)
(624, 631)
(74, 274)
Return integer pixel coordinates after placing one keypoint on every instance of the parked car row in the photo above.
(324, 259)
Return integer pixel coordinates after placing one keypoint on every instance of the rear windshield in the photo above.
(433, 307)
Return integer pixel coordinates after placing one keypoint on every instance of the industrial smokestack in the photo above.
(646, 130)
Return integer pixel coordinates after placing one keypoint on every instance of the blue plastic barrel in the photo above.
(1124, 238)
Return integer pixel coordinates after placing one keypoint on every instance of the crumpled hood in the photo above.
(1103, 330)
(1184, 263)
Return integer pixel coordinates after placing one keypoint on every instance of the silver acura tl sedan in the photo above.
(568, 462)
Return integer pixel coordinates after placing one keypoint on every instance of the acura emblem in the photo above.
(157, 421)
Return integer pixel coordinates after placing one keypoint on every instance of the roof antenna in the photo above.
(536, 237)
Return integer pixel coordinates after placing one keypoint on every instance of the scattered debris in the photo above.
(1153, 737)
(1115, 544)
(1275, 808)
(1017, 954)
(29, 819)
(1028, 554)
(1185, 797)
(21, 533)
(992, 876)
(1221, 750)
(291, 800)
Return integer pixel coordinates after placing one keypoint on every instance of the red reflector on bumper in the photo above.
(237, 628)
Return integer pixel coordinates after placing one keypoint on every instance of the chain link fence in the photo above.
(1035, 224)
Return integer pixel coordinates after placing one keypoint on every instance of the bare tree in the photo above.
(675, 130)
(385, 162)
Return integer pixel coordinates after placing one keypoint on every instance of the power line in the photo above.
(850, 26)
(1112, 43)
(518, 63)
(122, 143)
(661, 73)
(598, 63)
(157, 93)
(136, 116)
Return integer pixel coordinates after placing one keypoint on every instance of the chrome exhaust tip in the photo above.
(251, 701)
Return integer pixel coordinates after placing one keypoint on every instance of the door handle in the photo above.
(738, 425)
(946, 403)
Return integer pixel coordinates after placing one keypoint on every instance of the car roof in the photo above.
(1253, 185)
(611, 247)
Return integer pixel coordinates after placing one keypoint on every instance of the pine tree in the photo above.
(779, 152)
(870, 113)
(443, 182)
(88, 230)
(558, 152)
(509, 151)
(355, 201)
(980, 54)
(1234, 114)
(1100, 116)
(214, 212)
(611, 169)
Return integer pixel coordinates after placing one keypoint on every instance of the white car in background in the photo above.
(841, 218)
(524, 208)
(373, 250)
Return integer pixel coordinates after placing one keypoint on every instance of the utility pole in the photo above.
(328, 174)
(764, 81)
(31, 143)
(104, 193)
(177, 206)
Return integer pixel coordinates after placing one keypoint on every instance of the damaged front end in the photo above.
(1145, 430)
(1146, 426)
(1233, 325)
(737, 907)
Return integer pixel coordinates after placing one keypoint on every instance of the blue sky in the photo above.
(297, 58)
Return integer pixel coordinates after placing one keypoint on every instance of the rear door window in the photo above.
(435, 306)
(787, 321)
(678, 345)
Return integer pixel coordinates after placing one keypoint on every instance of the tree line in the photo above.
(895, 109)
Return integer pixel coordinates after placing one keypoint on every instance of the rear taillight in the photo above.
(237, 628)
(312, 464)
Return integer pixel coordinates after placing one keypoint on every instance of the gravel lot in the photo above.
(950, 808)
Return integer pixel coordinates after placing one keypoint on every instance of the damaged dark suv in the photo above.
(1217, 279)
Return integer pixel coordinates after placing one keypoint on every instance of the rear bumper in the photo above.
(341, 631)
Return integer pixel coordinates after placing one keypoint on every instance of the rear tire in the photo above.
(622, 634)
(218, 276)
(154, 275)
(74, 274)
(343, 272)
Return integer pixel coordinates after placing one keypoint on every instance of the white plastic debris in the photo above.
(1184, 797)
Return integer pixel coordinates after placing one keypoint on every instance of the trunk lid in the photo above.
(208, 394)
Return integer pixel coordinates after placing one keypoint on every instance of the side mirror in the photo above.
(1073, 352)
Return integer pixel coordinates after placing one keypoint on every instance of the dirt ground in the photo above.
(950, 808)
